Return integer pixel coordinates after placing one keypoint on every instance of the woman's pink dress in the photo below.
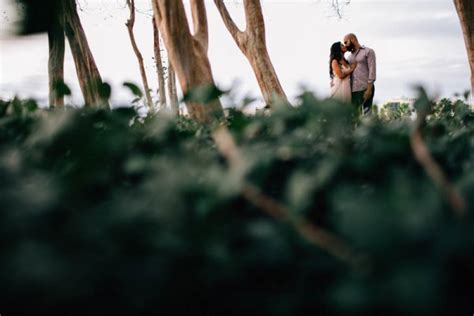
(341, 88)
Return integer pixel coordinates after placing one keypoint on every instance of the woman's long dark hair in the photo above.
(337, 54)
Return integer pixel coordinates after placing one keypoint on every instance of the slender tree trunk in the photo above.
(266, 76)
(188, 52)
(172, 89)
(56, 39)
(159, 67)
(130, 24)
(253, 45)
(465, 9)
(87, 72)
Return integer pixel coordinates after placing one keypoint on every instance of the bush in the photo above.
(106, 214)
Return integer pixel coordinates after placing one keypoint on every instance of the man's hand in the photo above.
(368, 92)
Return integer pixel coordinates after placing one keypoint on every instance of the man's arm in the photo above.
(371, 63)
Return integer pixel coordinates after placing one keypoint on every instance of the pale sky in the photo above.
(416, 41)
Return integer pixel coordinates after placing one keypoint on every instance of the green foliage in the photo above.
(456, 112)
(105, 91)
(136, 91)
(61, 89)
(203, 94)
(395, 111)
(106, 214)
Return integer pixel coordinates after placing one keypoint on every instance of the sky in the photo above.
(416, 42)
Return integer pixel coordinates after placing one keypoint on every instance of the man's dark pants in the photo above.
(364, 108)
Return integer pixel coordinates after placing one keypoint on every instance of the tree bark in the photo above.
(87, 72)
(465, 9)
(130, 24)
(159, 67)
(56, 39)
(252, 43)
(188, 52)
(172, 90)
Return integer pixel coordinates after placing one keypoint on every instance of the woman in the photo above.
(340, 72)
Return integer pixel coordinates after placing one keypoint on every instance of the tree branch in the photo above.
(159, 66)
(156, 12)
(131, 21)
(56, 40)
(254, 19)
(338, 7)
(170, 17)
(233, 29)
(201, 31)
(130, 24)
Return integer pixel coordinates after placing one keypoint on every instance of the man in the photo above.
(363, 77)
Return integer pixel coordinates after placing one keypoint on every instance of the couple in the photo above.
(352, 80)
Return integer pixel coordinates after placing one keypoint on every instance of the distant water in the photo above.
(415, 42)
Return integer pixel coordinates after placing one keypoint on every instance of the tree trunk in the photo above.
(266, 75)
(87, 72)
(130, 24)
(56, 41)
(159, 67)
(465, 9)
(172, 90)
(253, 45)
(188, 52)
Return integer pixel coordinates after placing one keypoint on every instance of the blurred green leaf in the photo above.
(61, 89)
(136, 91)
(203, 94)
(423, 103)
(105, 91)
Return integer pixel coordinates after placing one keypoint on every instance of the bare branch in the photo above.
(171, 15)
(156, 12)
(130, 24)
(254, 19)
(201, 31)
(338, 6)
(252, 43)
(233, 29)
(159, 66)
(131, 21)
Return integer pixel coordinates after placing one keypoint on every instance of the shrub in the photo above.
(106, 214)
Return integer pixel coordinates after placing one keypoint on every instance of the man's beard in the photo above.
(351, 47)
